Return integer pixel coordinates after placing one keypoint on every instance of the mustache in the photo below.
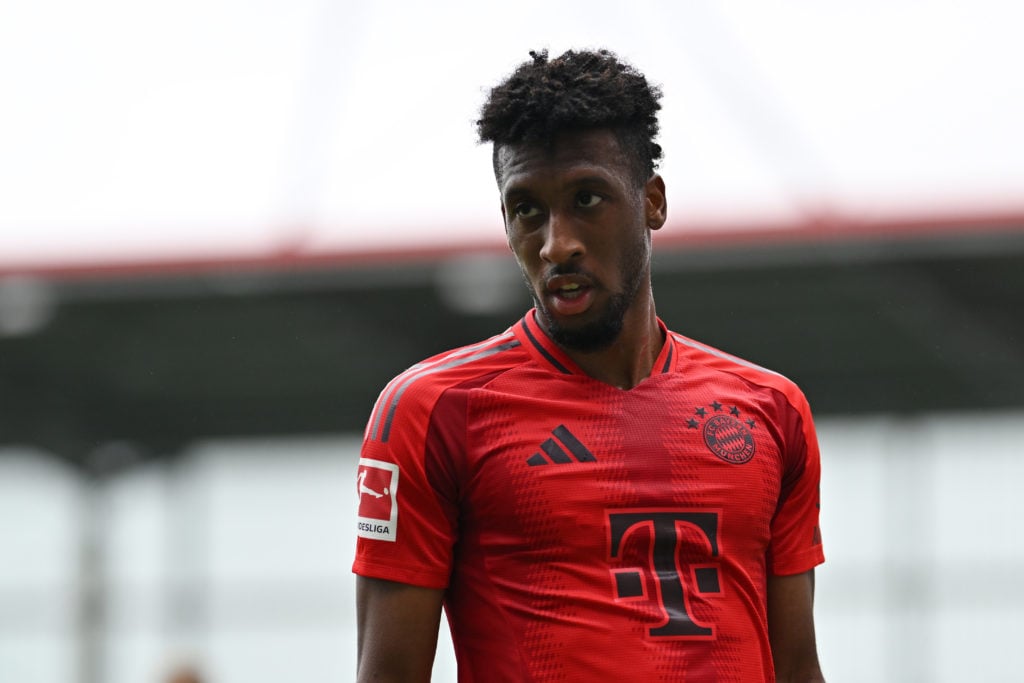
(565, 269)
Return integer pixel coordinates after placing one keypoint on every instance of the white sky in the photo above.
(138, 130)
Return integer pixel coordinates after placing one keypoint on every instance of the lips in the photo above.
(569, 294)
(558, 283)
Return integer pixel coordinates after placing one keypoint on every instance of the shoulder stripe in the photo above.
(544, 352)
(373, 430)
(721, 354)
(454, 363)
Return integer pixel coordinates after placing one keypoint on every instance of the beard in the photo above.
(595, 335)
(601, 333)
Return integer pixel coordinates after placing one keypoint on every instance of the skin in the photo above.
(575, 207)
(575, 215)
(397, 631)
(791, 628)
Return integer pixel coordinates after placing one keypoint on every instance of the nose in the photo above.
(562, 242)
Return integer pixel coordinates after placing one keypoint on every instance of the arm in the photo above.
(397, 626)
(791, 628)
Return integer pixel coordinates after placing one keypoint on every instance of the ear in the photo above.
(655, 204)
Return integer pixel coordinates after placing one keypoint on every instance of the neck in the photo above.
(629, 359)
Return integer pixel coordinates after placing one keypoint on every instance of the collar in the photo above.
(546, 352)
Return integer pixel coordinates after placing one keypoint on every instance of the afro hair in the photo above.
(575, 91)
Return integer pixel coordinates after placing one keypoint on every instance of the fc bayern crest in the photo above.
(729, 439)
(726, 433)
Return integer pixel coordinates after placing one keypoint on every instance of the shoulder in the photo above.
(412, 394)
(715, 360)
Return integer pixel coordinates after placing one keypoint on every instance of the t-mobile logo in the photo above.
(676, 572)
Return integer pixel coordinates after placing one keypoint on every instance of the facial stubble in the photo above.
(601, 333)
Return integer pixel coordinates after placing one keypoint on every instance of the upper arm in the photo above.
(791, 628)
(397, 630)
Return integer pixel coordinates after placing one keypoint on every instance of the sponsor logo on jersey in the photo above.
(727, 433)
(377, 488)
(657, 546)
(559, 453)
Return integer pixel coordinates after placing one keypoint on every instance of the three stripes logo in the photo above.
(569, 450)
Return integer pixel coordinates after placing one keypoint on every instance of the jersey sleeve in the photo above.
(407, 518)
(796, 544)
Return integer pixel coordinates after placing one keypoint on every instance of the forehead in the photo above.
(593, 151)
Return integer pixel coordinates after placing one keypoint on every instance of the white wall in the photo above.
(38, 561)
(920, 517)
(237, 556)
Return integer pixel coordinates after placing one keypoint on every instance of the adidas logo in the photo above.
(557, 454)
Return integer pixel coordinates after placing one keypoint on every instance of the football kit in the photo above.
(586, 533)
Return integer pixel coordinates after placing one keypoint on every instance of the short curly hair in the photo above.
(575, 91)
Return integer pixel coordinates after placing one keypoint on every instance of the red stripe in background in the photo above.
(816, 229)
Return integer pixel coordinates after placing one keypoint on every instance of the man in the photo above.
(590, 496)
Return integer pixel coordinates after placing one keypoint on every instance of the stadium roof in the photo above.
(105, 367)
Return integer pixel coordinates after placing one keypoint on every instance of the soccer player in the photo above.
(589, 495)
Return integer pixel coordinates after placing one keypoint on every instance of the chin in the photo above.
(593, 335)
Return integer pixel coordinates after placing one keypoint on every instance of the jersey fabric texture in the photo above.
(588, 533)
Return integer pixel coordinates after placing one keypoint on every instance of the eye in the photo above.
(588, 199)
(525, 210)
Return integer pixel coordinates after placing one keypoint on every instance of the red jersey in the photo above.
(588, 533)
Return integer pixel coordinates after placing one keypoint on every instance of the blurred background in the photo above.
(224, 226)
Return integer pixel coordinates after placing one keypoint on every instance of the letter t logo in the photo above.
(669, 564)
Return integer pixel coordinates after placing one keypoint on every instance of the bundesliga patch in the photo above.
(377, 487)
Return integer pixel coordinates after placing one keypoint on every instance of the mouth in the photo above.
(569, 294)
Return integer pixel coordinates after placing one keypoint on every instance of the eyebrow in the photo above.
(515, 190)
